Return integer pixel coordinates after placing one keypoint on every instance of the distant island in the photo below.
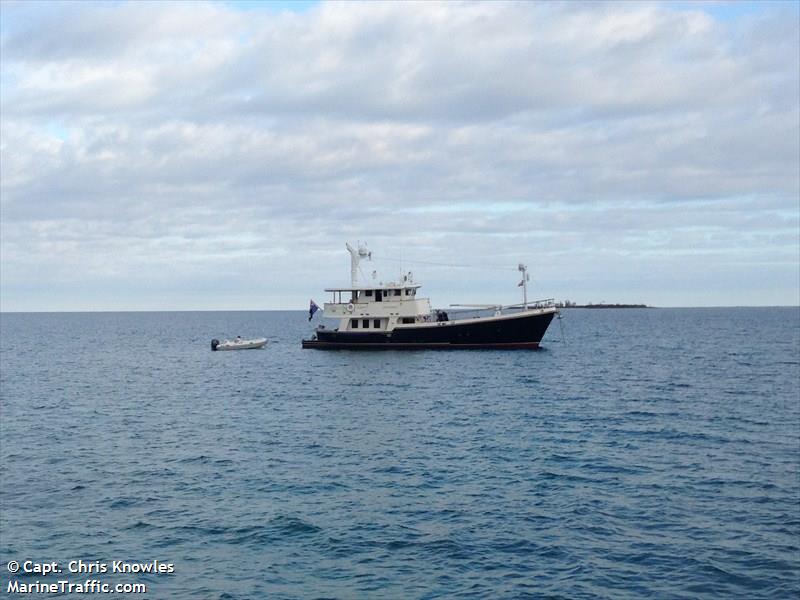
(569, 304)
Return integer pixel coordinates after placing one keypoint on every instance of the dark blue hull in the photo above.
(521, 330)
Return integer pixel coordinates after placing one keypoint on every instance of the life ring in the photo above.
(350, 307)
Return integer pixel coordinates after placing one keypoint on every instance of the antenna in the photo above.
(524, 283)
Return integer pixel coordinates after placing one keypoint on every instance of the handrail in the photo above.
(544, 303)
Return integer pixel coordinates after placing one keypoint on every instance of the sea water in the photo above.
(640, 453)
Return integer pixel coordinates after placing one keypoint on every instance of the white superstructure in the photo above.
(378, 306)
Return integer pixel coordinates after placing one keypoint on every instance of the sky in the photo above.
(217, 156)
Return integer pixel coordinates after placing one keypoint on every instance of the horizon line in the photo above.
(304, 310)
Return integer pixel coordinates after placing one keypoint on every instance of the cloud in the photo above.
(172, 142)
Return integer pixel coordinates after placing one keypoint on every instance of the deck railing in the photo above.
(467, 311)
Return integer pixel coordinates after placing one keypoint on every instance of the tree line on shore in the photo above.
(571, 304)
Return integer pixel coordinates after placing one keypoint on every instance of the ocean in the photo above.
(640, 453)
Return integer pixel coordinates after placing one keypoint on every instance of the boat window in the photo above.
(365, 323)
(353, 323)
(368, 293)
(397, 292)
(377, 323)
(407, 320)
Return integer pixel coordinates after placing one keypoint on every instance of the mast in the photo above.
(355, 258)
(524, 284)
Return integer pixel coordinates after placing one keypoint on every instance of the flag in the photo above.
(312, 308)
(520, 284)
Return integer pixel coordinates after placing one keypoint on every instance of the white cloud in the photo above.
(177, 141)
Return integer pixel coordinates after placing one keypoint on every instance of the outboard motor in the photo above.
(214, 344)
